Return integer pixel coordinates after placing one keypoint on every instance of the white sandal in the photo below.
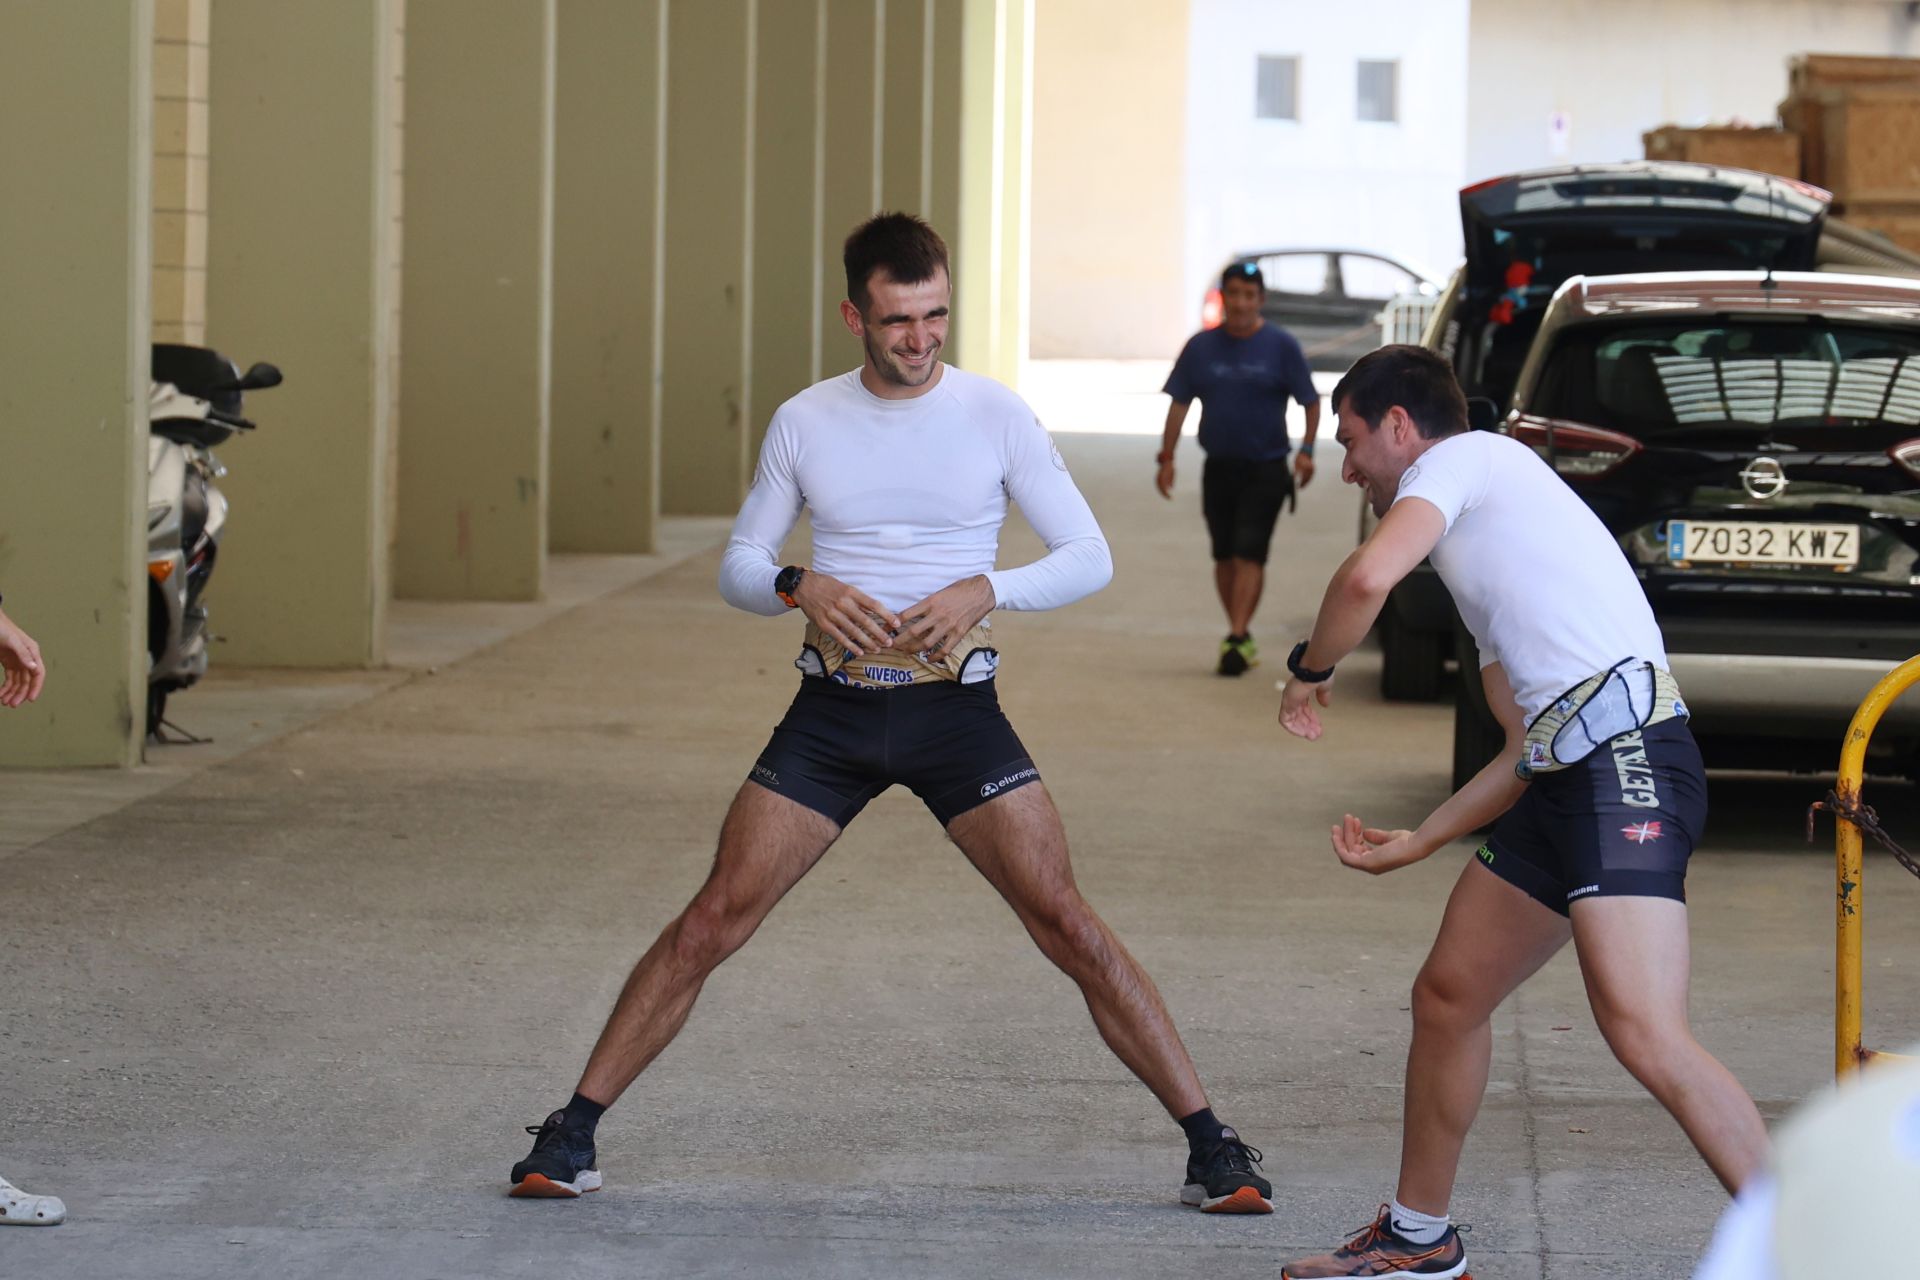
(18, 1208)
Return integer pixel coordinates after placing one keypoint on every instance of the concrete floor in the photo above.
(280, 1007)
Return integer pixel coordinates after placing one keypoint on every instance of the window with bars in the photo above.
(1276, 93)
(1379, 91)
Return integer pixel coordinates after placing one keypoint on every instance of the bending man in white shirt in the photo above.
(1599, 793)
(907, 465)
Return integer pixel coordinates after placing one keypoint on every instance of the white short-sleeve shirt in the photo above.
(1541, 584)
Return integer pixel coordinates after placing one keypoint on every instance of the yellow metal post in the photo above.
(1849, 1054)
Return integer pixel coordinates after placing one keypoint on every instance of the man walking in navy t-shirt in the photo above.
(1245, 371)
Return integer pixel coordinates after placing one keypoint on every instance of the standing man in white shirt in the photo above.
(23, 673)
(1600, 793)
(907, 465)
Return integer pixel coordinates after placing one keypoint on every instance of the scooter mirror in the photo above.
(261, 376)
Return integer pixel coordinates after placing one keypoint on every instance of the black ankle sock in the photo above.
(583, 1113)
(1240, 639)
(1203, 1127)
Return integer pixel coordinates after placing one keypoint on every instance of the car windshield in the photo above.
(1648, 377)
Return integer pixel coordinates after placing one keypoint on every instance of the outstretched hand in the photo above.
(1298, 715)
(26, 671)
(1373, 850)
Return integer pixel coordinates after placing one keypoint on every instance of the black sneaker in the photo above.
(560, 1166)
(1225, 1178)
(1379, 1252)
(1233, 658)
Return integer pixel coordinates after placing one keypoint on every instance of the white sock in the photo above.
(1415, 1227)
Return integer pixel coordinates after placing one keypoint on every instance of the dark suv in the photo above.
(1527, 234)
(1753, 441)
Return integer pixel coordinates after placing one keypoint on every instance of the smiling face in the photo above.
(903, 330)
(1376, 457)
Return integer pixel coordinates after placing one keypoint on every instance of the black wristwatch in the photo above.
(787, 583)
(1302, 674)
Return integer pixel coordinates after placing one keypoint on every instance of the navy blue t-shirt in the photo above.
(1243, 385)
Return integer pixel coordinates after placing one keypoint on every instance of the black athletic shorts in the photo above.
(1621, 823)
(1242, 502)
(840, 746)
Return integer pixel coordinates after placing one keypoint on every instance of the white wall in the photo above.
(1329, 179)
(1620, 67)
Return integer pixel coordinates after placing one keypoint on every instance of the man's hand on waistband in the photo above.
(860, 623)
(936, 624)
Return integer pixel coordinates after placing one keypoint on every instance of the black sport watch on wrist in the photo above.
(1303, 674)
(787, 583)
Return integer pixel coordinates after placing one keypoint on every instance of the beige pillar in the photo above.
(609, 197)
(850, 170)
(905, 26)
(945, 81)
(476, 274)
(790, 319)
(996, 132)
(303, 577)
(77, 148)
(180, 144)
(704, 351)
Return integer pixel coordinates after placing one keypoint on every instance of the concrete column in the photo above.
(995, 136)
(850, 172)
(789, 285)
(710, 191)
(477, 275)
(905, 88)
(300, 273)
(609, 198)
(944, 61)
(76, 93)
(180, 66)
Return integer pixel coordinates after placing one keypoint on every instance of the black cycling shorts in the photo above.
(1241, 501)
(839, 746)
(1620, 823)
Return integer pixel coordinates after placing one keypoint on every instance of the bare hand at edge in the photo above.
(1297, 713)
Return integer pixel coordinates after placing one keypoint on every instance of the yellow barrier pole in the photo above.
(1849, 1054)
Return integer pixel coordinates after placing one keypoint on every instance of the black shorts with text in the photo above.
(1241, 500)
(839, 746)
(1620, 823)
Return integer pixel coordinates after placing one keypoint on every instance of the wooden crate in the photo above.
(1801, 117)
(1764, 150)
(1898, 221)
(1809, 73)
(1870, 139)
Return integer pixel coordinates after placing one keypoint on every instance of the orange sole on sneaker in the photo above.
(1245, 1200)
(538, 1186)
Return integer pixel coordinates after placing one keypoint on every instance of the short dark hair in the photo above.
(1243, 271)
(903, 246)
(1414, 378)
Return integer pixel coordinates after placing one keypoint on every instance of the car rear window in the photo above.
(1648, 377)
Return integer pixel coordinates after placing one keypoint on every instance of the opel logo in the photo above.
(1764, 478)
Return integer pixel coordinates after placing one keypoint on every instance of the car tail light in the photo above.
(1213, 311)
(1907, 454)
(1484, 183)
(1577, 452)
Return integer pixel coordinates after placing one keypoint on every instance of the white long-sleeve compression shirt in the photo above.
(908, 496)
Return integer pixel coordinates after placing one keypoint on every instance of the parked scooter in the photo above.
(194, 405)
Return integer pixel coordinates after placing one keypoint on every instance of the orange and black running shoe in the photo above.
(1378, 1252)
(561, 1164)
(1224, 1177)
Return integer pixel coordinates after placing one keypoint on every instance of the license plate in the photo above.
(1834, 546)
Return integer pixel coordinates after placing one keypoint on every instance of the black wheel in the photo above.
(1412, 659)
(1477, 736)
